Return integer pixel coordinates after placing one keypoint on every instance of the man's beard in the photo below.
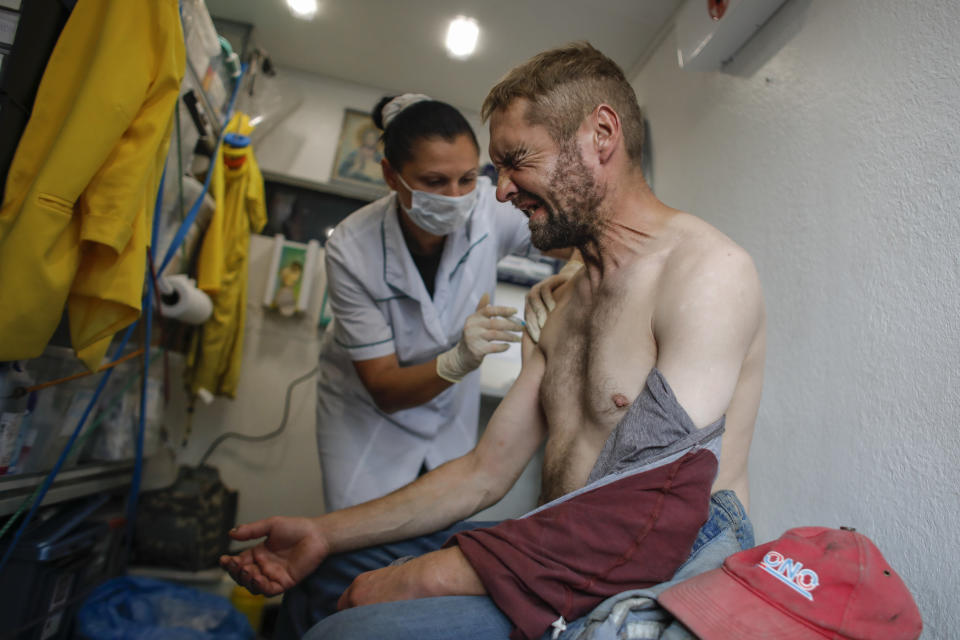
(575, 221)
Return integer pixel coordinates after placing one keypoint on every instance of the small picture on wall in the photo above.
(291, 275)
(359, 151)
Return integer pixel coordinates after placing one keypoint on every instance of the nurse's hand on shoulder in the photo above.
(487, 330)
(539, 302)
(293, 548)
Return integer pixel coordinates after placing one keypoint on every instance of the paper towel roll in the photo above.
(181, 300)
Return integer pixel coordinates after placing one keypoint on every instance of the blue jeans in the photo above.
(307, 608)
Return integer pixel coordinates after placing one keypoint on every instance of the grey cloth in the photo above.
(655, 427)
(655, 431)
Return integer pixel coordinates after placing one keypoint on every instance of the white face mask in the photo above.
(437, 214)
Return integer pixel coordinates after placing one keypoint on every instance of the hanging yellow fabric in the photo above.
(79, 194)
(237, 188)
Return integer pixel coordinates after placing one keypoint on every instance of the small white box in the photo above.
(709, 32)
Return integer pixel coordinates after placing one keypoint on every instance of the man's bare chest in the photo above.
(599, 349)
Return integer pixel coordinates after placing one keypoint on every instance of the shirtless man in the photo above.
(661, 289)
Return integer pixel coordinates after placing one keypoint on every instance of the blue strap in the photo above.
(134, 495)
(192, 214)
(66, 450)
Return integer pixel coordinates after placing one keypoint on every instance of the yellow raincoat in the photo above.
(237, 188)
(79, 196)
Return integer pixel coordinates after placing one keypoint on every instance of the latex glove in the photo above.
(540, 302)
(487, 330)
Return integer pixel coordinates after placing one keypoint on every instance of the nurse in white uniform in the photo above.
(409, 277)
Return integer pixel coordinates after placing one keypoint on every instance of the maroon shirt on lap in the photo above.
(564, 560)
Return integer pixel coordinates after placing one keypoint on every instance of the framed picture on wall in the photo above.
(359, 152)
(291, 275)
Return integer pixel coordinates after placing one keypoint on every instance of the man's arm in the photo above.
(447, 572)
(296, 546)
(708, 313)
(459, 488)
(440, 573)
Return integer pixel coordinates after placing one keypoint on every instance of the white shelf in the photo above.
(346, 190)
(73, 483)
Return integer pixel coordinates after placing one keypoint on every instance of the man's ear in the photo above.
(607, 134)
(389, 175)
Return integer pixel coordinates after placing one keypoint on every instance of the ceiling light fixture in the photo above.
(462, 37)
(303, 9)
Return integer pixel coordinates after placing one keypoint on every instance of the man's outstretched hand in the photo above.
(293, 548)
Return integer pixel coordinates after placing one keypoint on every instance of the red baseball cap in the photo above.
(812, 582)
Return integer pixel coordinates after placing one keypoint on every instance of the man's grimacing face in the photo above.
(550, 183)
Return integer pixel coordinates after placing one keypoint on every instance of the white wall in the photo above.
(829, 151)
(304, 145)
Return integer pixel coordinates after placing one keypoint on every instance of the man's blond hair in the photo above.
(563, 86)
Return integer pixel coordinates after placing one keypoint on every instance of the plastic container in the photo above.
(13, 411)
(119, 415)
(58, 409)
(51, 565)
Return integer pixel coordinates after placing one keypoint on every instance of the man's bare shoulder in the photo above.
(698, 246)
(706, 266)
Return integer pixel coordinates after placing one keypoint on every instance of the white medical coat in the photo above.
(380, 306)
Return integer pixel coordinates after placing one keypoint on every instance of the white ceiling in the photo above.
(397, 45)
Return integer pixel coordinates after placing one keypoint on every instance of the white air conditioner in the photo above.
(709, 32)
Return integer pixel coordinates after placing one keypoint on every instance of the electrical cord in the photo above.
(283, 421)
(82, 374)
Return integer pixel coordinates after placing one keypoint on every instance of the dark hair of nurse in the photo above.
(427, 119)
